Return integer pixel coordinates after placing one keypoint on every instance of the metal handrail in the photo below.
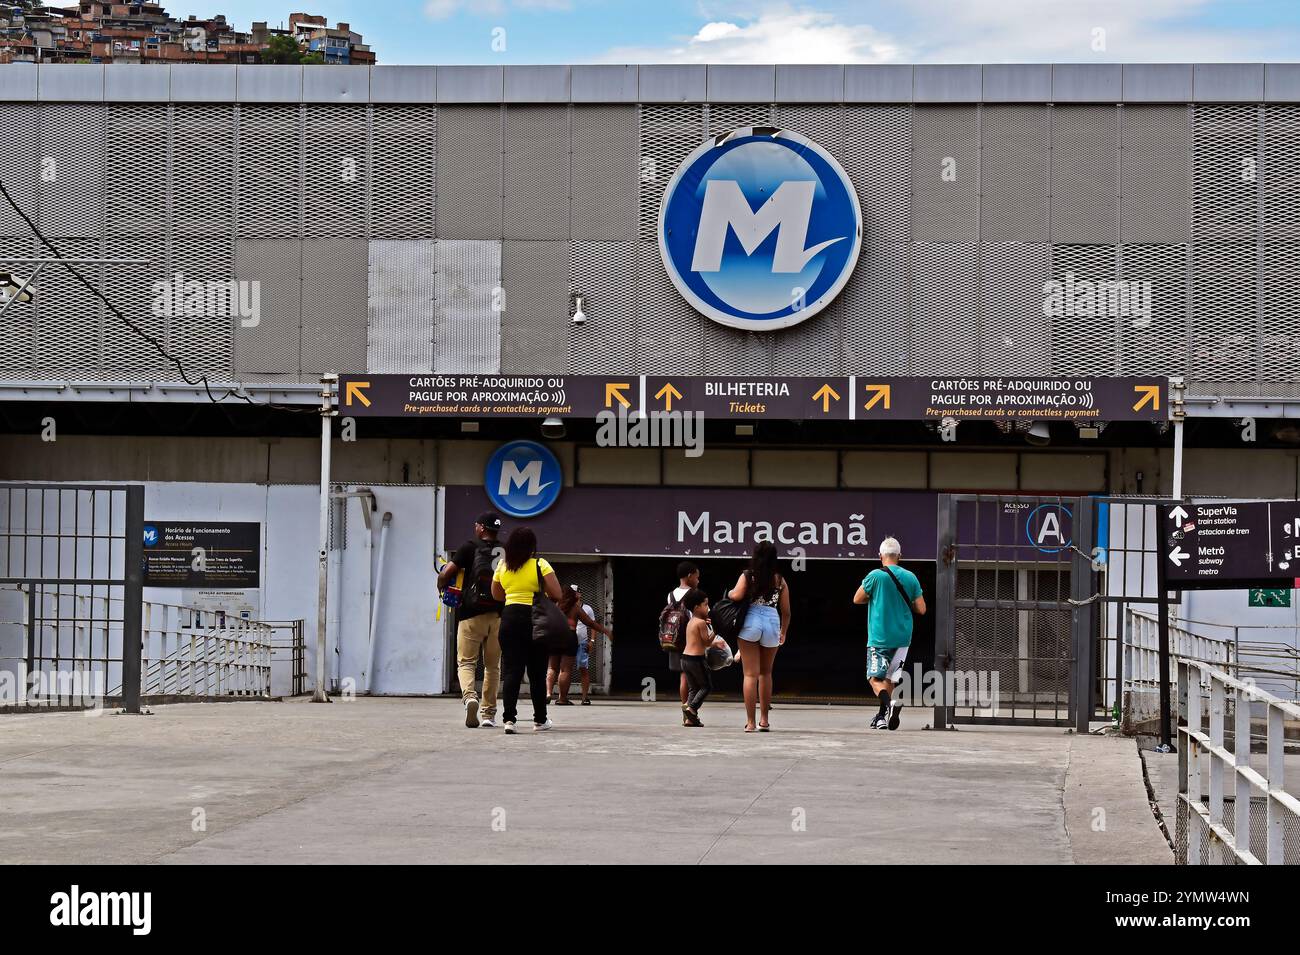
(1202, 752)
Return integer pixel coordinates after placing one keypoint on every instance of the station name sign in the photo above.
(834, 398)
(1232, 541)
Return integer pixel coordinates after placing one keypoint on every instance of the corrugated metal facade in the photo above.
(422, 237)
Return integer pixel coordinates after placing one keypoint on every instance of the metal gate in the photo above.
(1013, 635)
(71, 589)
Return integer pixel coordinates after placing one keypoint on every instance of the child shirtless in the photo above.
(699, 637)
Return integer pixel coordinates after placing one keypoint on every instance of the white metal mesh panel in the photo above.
(873, 311)
(1014, 333)
(272, 347)
(269, 188)
(945, 308)
(1224, 314)
(404, 147)
(469, 172)
(334, 305)
(730, 351)
(535, 323)
(1279, 279)
(203, 170)
(69, 330)
(204, 344)
(1279, 175)
(878, 158)
(668, 135)
(469, 297)
(1225, 180)
(1084, 344)
(18, 326)
(336, 141)
(19, 166)
(536, 204)
(70, 190)
(605, 172)
(1085, 175)
(945, 174)
(124, 355)
(604, 274)
(1158, 345)
(1155, 174)
(669, 333)
(724, 118)
(400, 305)
(824, 125)
(1014, 170)
(813, 347)
(138, 144)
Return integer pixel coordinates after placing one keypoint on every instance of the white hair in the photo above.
(890, 547)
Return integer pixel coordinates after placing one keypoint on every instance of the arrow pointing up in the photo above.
(1177, 556)
(1178, 513)
(826, 393)
(668, 393)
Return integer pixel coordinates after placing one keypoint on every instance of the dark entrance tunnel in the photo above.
(825, 654)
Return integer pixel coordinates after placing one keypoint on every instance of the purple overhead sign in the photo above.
(716, 522)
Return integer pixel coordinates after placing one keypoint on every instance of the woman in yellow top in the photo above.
(518, 577)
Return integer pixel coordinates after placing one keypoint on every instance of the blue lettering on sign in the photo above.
(523, 478)
(1049, 528)
(760, 229)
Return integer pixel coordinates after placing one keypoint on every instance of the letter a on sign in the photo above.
(1051, 527)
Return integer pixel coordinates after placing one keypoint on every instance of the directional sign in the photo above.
(794, 398)
(1268, 597)
(1231, 540)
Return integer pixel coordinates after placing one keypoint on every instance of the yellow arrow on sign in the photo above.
(826, 393)
(615, 389)
(668, 393)
(355, 390)
(1150, 396)
(881, 391)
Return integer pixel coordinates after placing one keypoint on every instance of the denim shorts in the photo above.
(583, 655)
(762, 626)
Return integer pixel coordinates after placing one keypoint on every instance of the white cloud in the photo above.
(775, 36)
(968, 31)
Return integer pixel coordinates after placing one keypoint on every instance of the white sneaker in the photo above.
(542, 727)
(471, 713)
(488, 723)
(510, 727)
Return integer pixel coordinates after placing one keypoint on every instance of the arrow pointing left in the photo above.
(356, 389)
(1178, 556)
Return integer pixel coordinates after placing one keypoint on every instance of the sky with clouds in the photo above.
(817, 31)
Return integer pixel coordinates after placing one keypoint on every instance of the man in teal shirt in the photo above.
(892, 594)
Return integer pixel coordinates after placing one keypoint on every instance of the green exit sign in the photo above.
(1269, 598)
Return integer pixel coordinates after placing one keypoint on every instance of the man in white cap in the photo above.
(893, 595)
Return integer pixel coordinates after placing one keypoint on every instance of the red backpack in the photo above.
(672, 626)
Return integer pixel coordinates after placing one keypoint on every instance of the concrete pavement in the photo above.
(402, 780)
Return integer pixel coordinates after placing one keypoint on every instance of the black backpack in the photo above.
(476, 594)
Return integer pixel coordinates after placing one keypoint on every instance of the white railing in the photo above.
(1205, 834)
(194, 652)
(1141, 698)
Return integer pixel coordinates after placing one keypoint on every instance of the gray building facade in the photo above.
(443, 219)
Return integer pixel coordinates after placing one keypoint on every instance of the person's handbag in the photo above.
(550, 625)
(728, 615)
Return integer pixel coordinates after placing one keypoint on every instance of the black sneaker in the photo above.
(876, 721)
(895, 714)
